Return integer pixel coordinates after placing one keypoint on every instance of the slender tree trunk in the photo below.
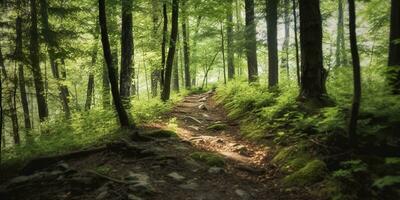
(126, 51)
(313, 73)
(171, 52)
(286, 42)
(106, 99)
(194, 53)
(90, 85)
(229, 41)
(34, 58)
(340, 59)
(223, 51)
(272, 18)
(175, 73)
(356, 73)
(394, 47)
(251, 42)
(296, 43)
(186, 54)
(52, 44)
(163, 46)
(155, 72)
(122, 115)
(21, 77)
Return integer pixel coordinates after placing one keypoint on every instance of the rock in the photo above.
(20, 180)
(194, 127)
(311, 173)
(62, 166)
(204, 99)
(243, 194)
(208, 158)
(216, 170)
(202, 107)
(139, 183)
(176, 176)
(102, 195)
(191, 185)
(134, 197)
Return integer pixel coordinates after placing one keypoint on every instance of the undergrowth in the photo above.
(84, 129)
(276, 114)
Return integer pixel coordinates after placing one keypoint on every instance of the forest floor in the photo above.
(207, 159)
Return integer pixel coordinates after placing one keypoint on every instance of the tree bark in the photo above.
(340, 41)
(223, 51)
(34, 58)
(251, 42)
(286, 42)
(171, 52)
(90, 85)
(186, 54)
(163, 45)
(126, 51)
(272, 17)
(356, 74)
(52, 44)
(122, 115)
(229, 41)
(155, 73)
(313, 73)
(296, 43)
(21, 77)
(394, 47)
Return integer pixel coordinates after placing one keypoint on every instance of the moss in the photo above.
(208, 158)
(217, 127)
(162, 134)
(311, 173)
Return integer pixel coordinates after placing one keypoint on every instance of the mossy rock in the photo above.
(311, 173)
(217, 127)
(208, 158)
(291, 158)
(161, 133)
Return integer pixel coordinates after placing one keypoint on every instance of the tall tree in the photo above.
(35, 63)
(171, 52)
(251, 41)
(394, 47)
(356, 73)
(122, 115)
(52, 44)
(186, 52)
(313, 73)
(90, 85)
(341, 58)
(163, 45)
(272, 18)
(155, 73)
(19, 57)
(296, 42)
(126, 51)
(229, 40)
(286, 42)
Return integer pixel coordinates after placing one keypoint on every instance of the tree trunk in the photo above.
(223, 51)
(34, 58)
(122, 115)
(272, 17)
(21, 77)
(171, 52)
(52, 44)
(194, 75)
(186, 54)
(251, 42)
(286, 42)
(106, 99)
(356, 73)
(313, 73)
(155, 73)
(340, 48)
(394, 47)
(296, 43)
(90, 85)
(229, 41)
(163, 46)
(175, 73)
(126, 51)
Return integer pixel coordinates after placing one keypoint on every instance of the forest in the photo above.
(200, 99)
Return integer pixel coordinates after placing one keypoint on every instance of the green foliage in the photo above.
(311, 173)
(217, 127)
(387, 181)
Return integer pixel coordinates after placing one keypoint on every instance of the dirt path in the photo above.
(164, 168)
